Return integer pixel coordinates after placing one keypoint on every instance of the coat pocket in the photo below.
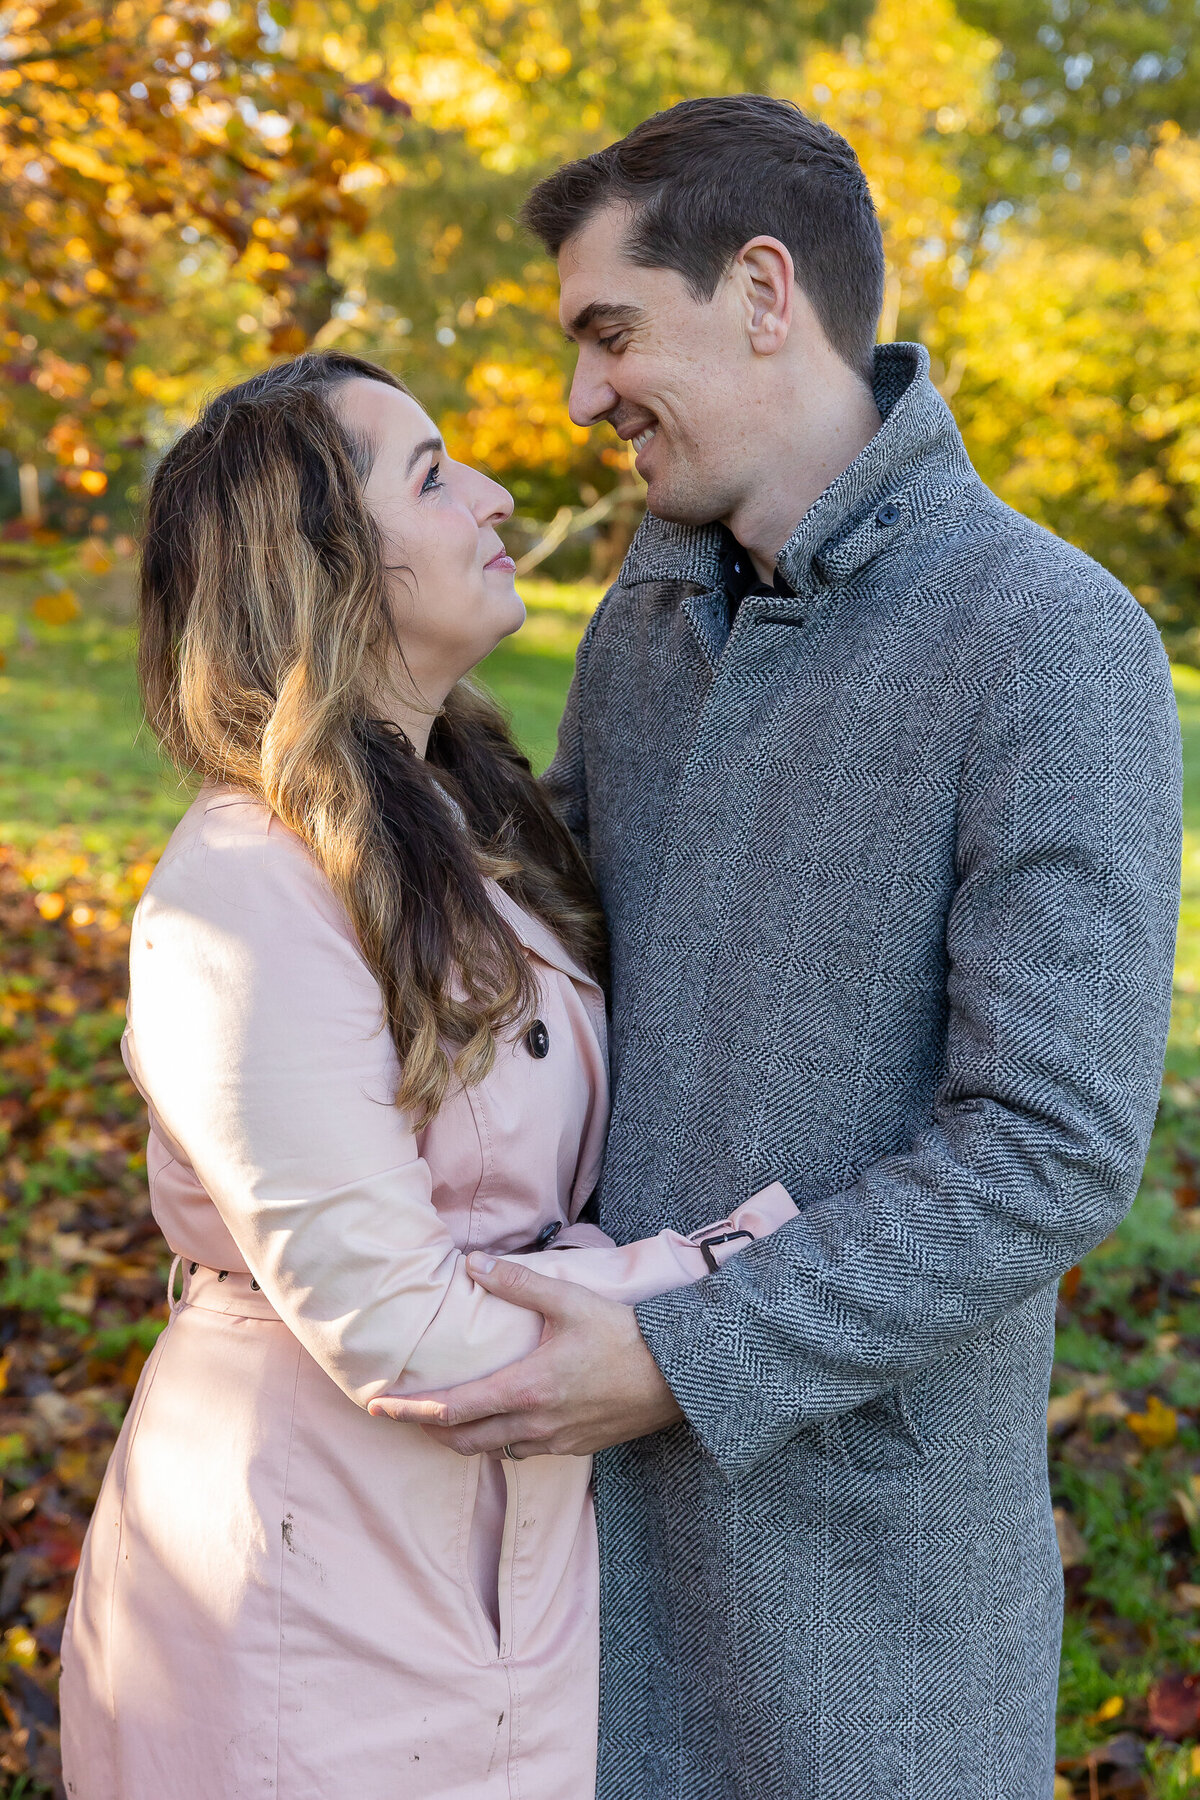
(878, 1435)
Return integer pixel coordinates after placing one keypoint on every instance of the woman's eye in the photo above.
(433, 479)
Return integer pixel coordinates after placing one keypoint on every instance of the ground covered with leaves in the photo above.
(83, 1270)
(81, 1266)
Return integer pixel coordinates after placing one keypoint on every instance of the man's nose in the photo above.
(592, 397)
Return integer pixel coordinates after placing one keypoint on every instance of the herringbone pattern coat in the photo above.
(891, 872)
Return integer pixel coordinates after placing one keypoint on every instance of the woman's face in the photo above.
(453, 597)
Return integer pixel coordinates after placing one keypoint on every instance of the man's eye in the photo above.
(433, 479)
(615, 344)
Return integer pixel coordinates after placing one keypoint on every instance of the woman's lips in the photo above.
(503, 562)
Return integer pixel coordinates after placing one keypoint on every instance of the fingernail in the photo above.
(479, 1264)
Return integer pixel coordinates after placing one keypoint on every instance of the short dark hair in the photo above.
(706, 176)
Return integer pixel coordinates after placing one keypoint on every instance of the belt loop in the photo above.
(172, 1303)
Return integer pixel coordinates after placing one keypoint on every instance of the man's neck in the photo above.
(836, 425)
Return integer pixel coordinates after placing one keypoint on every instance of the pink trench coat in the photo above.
(279, 1594)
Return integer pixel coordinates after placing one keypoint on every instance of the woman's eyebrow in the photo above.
(434, 443)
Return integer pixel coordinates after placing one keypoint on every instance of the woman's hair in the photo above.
(266, 637)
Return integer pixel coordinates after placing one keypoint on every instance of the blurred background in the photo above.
(188, 191)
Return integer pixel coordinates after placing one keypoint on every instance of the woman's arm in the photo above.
(630, 1273)
(258, 1038)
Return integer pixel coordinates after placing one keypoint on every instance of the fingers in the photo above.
(522, 1287)
(511, 1390)
(487, 1435)
(488, 1438)
(428, 1409)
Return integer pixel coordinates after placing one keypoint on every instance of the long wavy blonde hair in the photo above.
(265, 634)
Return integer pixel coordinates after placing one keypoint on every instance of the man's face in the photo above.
(668, 372)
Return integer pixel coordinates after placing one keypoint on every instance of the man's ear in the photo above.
(768, 278)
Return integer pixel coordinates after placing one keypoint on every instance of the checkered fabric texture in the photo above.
(892, 875)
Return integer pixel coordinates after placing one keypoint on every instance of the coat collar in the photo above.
(537, 937)
(910, 464)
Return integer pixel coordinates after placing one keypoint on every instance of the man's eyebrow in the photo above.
(434, 443)
(604, 312)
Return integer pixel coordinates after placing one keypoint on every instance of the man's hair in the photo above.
(706, 176)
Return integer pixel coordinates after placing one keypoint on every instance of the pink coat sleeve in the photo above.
(633, 1272)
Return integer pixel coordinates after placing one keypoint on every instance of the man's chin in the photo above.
(681, 509)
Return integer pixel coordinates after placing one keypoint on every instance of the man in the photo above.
(881, 785)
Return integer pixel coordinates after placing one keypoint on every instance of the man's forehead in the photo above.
(598, 283)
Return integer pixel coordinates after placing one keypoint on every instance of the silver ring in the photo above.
(507, 1450)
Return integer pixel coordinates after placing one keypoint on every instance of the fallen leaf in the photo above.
(1113, 1771)
(1188, 1594)
(20, 1647)
(1187, 1187)
(1108, 1406)
(1065, 1411)
(1155, 1428)
(1112, 1708)
(1072, 1546)
(1173, 1706)
(1068, 1287)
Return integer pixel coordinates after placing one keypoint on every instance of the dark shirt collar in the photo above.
(739, 576)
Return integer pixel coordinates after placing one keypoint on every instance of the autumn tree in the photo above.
(128, 129)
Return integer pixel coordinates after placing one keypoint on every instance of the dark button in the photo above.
(223, 1275)
(194, 1267)
(538, 1040)
(888, 513)
(254, 1287)
(547, 1235)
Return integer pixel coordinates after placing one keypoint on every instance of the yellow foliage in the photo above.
(58, 606)
(519, 418)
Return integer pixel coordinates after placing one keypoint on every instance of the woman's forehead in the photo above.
(383, 412)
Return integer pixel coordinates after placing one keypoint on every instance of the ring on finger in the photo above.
(507, 1451)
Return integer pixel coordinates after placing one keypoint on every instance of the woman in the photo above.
(364, 1014)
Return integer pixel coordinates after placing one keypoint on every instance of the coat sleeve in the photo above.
(1059, 946)
(628, 1273)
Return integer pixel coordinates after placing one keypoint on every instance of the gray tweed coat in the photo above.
(892, 873)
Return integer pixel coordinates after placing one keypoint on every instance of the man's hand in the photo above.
(590, 1383)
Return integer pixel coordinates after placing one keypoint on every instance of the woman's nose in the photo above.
(496, 505)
